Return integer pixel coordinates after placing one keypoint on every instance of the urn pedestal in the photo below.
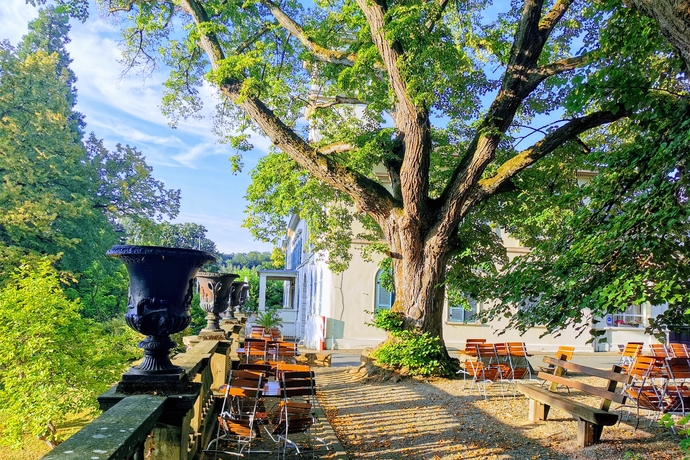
(161, 286)
(215, 290)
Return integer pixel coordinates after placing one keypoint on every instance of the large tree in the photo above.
(450, 99)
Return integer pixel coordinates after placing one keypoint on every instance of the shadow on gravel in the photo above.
(438, 420)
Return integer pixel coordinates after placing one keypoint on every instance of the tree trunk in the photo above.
(419, 267)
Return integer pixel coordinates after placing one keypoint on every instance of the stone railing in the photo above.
(159, 425)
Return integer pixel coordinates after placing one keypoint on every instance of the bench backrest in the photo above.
(607, 393)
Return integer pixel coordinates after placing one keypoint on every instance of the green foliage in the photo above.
(413, 352)
(416, 353)
(373, 87)
(53, 361)
(251, 260)
(58, 196)
(389, 321)
(626, 245)
(268, 319)
(102, 289)
(187, 235)
(126, 188)
(682, 426)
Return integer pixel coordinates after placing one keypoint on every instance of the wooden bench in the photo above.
(591, 420)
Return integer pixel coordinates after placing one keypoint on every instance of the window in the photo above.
(458, 314)
(632, 317)
(296, 255)
(384, 298)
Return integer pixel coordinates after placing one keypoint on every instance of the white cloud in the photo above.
(14, 18)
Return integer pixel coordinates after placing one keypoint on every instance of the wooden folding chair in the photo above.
(659, 350)
(677, 389)
(254, 349)
(494, 369)
(296, 412)
(629, 353)
(642, 388)
(238, 421)
(518, 362)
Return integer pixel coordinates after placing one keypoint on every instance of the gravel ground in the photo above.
(438, 419)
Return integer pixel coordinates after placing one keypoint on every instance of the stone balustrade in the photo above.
(160, 424)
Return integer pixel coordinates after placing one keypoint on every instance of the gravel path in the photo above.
(414, 419)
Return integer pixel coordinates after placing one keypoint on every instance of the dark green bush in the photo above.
(421, 354)
(389, 321)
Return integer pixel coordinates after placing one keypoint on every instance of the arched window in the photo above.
(384, 298)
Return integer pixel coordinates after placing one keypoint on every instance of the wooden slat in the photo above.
(595, 391)
(591, 371)
(579, 410)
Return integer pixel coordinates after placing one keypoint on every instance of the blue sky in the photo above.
(125, 110)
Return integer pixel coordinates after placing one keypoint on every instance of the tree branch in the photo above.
(318, 51)
(436, 14)
(412, 122)
(337, 100)
(254, 38)
(369, 195)
(521, 78)
(335, 148)
(563, 65)
(549, 21)
(548, 144)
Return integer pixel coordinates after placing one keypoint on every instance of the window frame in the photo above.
(377, 294)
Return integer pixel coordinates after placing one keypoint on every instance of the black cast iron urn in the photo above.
(161, 286)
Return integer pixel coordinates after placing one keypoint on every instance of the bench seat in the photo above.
(577, 409)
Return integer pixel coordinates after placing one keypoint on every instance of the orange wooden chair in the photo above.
(254, 349)
(642, 388)
(238, 422)
(518, 362)
(659, 350)
(679, 350)
(296, 412)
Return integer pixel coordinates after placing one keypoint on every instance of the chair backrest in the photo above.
(679, 350)
(565, 353)
(287, 349)
(487, 351)
(659, 350)
(264, 369)
(254, 347)
(297, 383)
(632, 349)
(517, 349)
(243, 384)
(275, 333)
(501, 348)
(282, 367)
(641, 368)
(471, 346)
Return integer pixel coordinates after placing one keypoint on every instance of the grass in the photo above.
(33, 448)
